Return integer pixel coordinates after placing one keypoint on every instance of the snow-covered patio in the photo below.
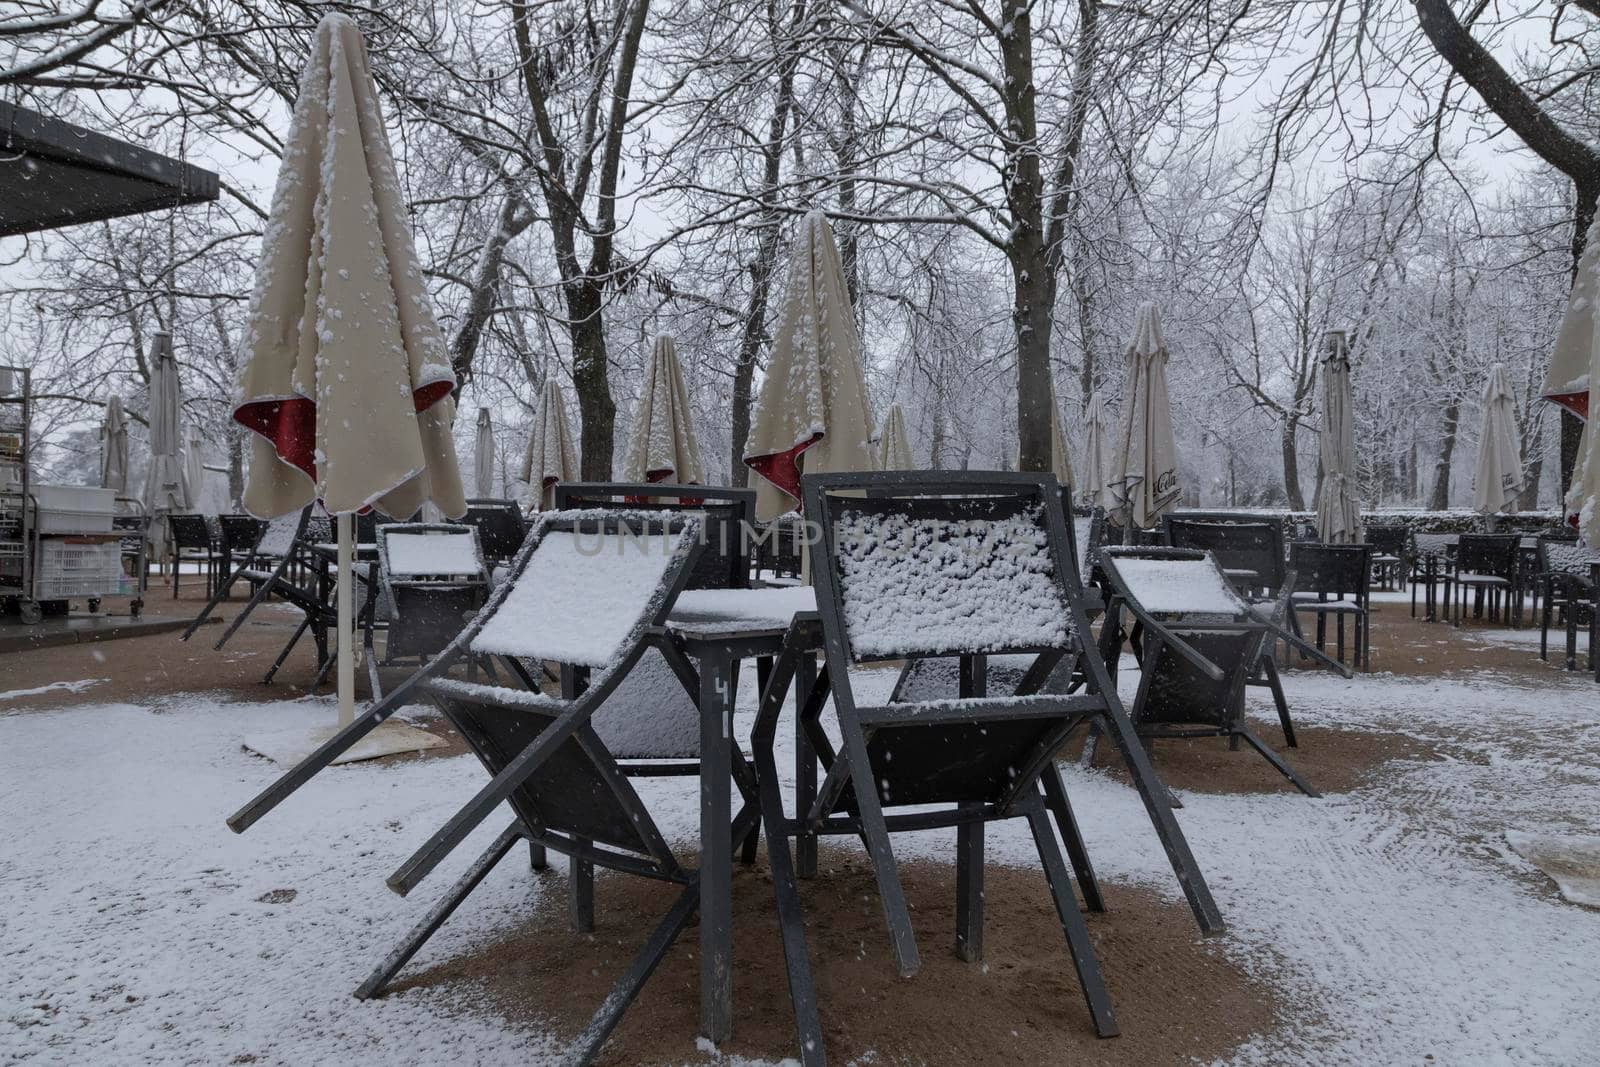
(1387, 923)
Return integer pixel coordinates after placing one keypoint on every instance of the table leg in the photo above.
(805, 767)
(716, 847)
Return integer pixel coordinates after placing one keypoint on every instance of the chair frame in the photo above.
(670, 496)
(1361, 652)
(178, 547)
(1574, 594)
(481, 513)
(1510, 546)
(1390, 573)
(395, 589)
(1157, 632)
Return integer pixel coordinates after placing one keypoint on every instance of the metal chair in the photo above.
(239, 536)
(1390, 548)
(431, 580)
(1197, 641)
(1335, 580)
(190, 541)
(1428, 565)
(591, 591)
(1565, 571)
(501, 528)
(728, 519)
(1488, 565)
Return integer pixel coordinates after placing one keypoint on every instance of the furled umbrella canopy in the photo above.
(347, 385)
(1096, 457)
(166, 486)
(1498, 480)
(1583, 497)
(894, 447)
(1338, 516)
(663, 445)
(1144, 477)
(813, 401)
(114, 448)
(194, 469)
(483, 455)
(1060, 456)
(551, 457)
(1567, 380)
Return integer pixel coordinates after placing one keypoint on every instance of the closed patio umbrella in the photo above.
(551, 457)
(894, 447)
(483, 455)
(194, 470)
(1144, 477)
(347, 383)
(662, 444)
(1583, 497)
(1060, 456)
(166, 487)
(114, 448)
(813, 401)
(1567, 379)
(1498, 479)
(1338, 517)
(1096, 457)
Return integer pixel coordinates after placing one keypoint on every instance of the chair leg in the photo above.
(538, 858)
(969, 891)
(875, 833)
(293, 640)
(623, 994)
(1278, 762)
(1275, 684)
(580, 892)
(1055, 793)
(441, 911)
(1072, 924)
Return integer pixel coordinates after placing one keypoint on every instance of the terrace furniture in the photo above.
(1198, 642)
(921, 567)
(432, 578)
(191, 542)
(777, 546)
(239, 534)
(728, 517)
(1566, 570)
(500, 526)
(1390, 547)
(1488, 565)
(1335, 580)
(1428, 568)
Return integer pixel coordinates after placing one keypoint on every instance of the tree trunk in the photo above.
(1528, 499)
(597, 412)
(1291, 467)
(1448, 425)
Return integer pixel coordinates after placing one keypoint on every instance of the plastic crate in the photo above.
(70, 509)
(69, 568)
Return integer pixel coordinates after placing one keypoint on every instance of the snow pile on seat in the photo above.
(581, 598)
(431, 553)
(1571, 559)
(1178, 586)
(930, 586)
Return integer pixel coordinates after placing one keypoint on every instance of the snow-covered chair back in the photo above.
(431, 578)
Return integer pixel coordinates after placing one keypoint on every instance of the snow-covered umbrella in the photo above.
(551, 458)
(347, 385)
(894, 447)
(483, 455)
(114, 448)
(1060, 456)
(166, 488)
(1567, 379)
(813, 401)
(194, 469)
(1097, 457)
(1498, 480)
(1583, 497)
(1143, 482)
(1338, 516)
(662, 444)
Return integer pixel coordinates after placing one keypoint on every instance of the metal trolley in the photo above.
(39, 567)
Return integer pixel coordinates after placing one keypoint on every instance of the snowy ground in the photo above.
(1397, 925)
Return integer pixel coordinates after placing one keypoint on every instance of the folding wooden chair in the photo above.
(962, 566)
(1197, 641)
(590, 590)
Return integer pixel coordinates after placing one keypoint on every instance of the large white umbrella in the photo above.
(1583, 497)
(1498, 480)
(166, 483)
(1097, 457)
(194, 470)
(813, 401)
(1144, 476)
(551, 457)
(114, 448)
(894, 447)
(1060, 456)
(662, 444)
(1567, 379)
(483, 455)
(347, 384)
(1338, 516)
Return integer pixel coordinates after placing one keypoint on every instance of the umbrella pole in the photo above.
(346, 670)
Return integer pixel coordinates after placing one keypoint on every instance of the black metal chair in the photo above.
(1336, 580)
(1249, 548)
(589, 590)
(190, 541)
(728, 519)
(1488, 566)
(951, 566)
(1565, 571)
(1428, 566)
(501, 529)
(431, 579)
(777, 546)
(1391, 546)
(239, 536)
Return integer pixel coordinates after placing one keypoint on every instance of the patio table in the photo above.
(718, 628)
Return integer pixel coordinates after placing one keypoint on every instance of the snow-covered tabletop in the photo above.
(432, 553)
(1175, 586)
(708, 612)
